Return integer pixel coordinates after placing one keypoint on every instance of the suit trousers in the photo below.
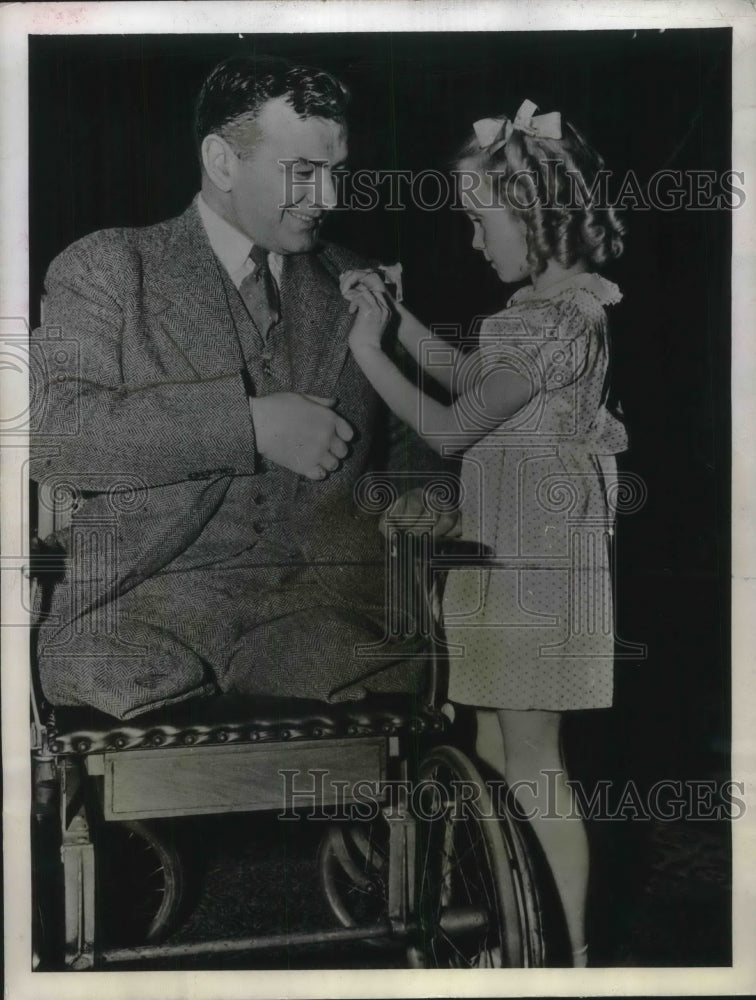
(258, 623)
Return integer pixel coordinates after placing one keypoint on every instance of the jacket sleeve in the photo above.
(94, 425)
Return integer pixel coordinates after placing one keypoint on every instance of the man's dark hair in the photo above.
(235, 91)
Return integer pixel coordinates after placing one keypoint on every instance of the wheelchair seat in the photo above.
(230, 719)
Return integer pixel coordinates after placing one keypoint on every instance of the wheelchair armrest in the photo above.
(461, 553)
(445, 553)
(461, 550)
(47, 559)
(46, 567)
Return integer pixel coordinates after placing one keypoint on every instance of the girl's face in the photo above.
(498, 232)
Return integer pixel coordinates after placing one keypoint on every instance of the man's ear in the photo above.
(219, 161)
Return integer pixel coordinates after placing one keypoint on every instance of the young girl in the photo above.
(538, 474)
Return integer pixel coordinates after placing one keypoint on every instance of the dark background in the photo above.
(111, 145)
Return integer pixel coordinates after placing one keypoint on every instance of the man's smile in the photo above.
(310, 218)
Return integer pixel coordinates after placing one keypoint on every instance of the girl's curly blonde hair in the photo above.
(555, 186)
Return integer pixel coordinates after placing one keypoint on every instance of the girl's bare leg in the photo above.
(522, 747)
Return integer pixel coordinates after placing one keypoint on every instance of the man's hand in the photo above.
(300, 432)
(416, 517)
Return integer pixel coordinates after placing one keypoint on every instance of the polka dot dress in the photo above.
(536, 630)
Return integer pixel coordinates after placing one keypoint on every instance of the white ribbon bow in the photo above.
(488, 131)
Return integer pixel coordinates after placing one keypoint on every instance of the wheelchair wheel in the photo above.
(139, 883)
(477, 901)
(353, 866)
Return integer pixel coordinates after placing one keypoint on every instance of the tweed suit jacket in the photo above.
(161, 420)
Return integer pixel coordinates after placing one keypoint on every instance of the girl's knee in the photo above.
(531, 742)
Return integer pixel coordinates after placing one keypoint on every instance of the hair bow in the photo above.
(492, 133)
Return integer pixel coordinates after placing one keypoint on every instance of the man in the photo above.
(221, 427)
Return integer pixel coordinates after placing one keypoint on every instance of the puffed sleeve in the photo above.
(553, 343)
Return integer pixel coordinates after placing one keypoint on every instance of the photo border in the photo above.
(17, 22)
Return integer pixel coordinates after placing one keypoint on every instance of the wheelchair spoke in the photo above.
(471, 906)
(353, 868)
(139, 883)
(453, 947)
(369, 848)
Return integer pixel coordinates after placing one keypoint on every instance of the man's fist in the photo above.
(300, 432)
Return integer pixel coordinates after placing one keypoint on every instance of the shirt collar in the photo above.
(230, 246)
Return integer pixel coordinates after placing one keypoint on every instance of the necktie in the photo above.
(259, 292)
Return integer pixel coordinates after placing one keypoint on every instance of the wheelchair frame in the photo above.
(226, 756)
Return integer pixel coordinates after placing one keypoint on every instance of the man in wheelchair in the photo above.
(211, 426)
(210, 439)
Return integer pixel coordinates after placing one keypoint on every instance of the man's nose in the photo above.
(325, 195)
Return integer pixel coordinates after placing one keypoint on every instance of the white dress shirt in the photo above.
(232, 247)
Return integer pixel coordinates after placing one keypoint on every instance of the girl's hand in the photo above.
(386, 280)
(353, 282)
(373, 315)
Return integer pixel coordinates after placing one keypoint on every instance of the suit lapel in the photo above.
(316, 321)
(198, 308)
(200, 311)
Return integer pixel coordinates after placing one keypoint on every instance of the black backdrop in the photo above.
(110, 145)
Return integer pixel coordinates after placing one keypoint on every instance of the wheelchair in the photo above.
(438, 870)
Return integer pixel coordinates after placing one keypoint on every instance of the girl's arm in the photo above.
(412, 333)
(492, 395)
